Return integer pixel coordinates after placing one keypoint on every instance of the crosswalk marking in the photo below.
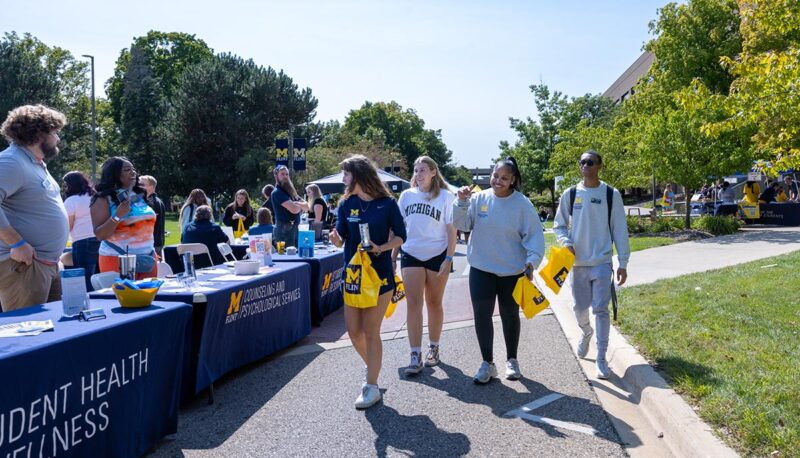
(523, 412)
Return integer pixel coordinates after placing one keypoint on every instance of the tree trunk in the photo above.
(687, 223)
(553, 199)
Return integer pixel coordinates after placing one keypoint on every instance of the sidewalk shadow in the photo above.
(502, 399)
(754, 234)
(415, 435)
(239, 395)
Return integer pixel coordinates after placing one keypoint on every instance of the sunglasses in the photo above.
(587, 162)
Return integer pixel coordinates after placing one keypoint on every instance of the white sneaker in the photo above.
(416, 364)
(603, 372)
(370, 394)
(432, 358)
(583, 344)
(512, 369)
(485, 373)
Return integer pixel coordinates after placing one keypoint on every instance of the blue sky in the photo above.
(465, 66)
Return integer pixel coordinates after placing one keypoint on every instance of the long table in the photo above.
(777, 213)
(243, 320)
(327, 267)
(108, 387)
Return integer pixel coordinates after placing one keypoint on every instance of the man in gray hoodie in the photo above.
(589, 219)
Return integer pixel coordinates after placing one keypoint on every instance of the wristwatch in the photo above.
(115, 218)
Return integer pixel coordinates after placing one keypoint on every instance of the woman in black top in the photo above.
(239, 209)
(317, 208)
(366, 200)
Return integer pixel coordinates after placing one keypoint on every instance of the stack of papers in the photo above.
(25, 328)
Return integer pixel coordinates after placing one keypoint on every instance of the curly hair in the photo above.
(26, 125)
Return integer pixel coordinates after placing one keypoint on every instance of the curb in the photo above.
(683, 432)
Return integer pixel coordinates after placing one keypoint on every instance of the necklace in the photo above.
(363, 209)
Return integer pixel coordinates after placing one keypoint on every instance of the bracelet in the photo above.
(448, 258)
(18, 244)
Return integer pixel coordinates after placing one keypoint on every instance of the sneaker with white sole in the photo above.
(603, 372)
(512, 369)
(485, 373)
(416, 364)
(432, 358)
(370, 394)
(583, 344)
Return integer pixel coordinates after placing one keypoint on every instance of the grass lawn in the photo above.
(173, 229)
(729, 341)
(637, 243)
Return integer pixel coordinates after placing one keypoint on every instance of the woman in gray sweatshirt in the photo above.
(507, 242)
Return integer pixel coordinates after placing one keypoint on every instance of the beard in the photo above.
(49, 151)
(288, 187)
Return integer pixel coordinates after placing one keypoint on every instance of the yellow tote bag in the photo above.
(399, 295)
(529, 298)
(559, 263)
(361, 282)
(239, 232)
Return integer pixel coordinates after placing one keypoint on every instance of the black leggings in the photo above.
(484, 287)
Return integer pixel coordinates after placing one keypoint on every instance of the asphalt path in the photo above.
(302, 405)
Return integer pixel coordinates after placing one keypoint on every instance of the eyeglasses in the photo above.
(586, 162)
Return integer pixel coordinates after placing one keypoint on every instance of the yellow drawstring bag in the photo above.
(749, 210)
(399, 295)
(529, 298)
(239, 232)
(361, 282)
(559, 263)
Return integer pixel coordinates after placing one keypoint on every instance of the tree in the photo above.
(167, 53)
(402, 130)
(34, 72)
(223, 118)
(765, 96)
(537, 139)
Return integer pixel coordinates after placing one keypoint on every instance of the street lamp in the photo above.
(94, 125)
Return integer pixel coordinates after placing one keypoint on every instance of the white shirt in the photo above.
(426, 222)
(78, 207)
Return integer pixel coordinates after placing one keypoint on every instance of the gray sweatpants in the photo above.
(591, 286)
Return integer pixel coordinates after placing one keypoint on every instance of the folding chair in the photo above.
(197, 249)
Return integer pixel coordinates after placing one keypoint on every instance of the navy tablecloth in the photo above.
(108, 387)
(777, 213)
(238, 322)
(327, 266)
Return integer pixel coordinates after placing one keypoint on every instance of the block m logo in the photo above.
(236, 302)
(326, 282)
(352, 282)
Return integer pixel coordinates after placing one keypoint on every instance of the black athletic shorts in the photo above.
(434, 263)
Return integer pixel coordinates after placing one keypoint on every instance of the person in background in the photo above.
(78, 192)
(266, 191)
(726, 195)
(770, 194)
(588, 229)
(287, 206)
(196, 198)
(239, 209)
(33, 220)
(426, 256)
(791, 188)
(367, 201)
(203, 230)
(318, 210)
(149, 184)
(751, 191)
(121, 216)
(264, 226)
(507, 242)
(668, 199)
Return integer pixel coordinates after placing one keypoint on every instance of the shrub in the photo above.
(717, 225)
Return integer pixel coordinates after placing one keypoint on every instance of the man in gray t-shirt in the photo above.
(33, 220)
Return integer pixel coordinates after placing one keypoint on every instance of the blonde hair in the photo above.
(437, 183)
(149, 180)
(313, 192)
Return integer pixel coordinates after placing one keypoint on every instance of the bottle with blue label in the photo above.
(305, 244)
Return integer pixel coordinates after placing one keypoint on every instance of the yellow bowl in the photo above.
(135, 298)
